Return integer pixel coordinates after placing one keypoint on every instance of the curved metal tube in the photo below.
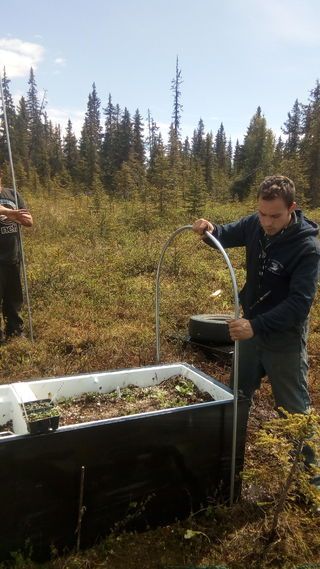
(218, 245)
(165, 247)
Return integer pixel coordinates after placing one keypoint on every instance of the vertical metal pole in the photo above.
(235, 366)
(23, 263)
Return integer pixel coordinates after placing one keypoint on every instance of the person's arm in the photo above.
(240, 329)
(202, 225)
(229, 234)
(295, 308)
(288, 313)
(22, 216)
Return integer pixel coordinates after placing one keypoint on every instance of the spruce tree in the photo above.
(287, 157)
(238, 162)
(310, 146)
(11, 120)
(154, 141)
(229, 158)
(174, 142)
(173, 147)
(151, 141)
(293, 129)
(90, 142)
(22, 134)
(186, 162)
(195, 195)
(130, 179)
(186, 148)
(38, 154)
(256, 156)
(177, 106)
(158, 174)
(109, 150)
(175, 172)
(71, 153)
(278, 155)
(125, 138)
(220, 149)
(56, 160)
(209, 164)
(222, 164)
(198, 146)
(137, 139)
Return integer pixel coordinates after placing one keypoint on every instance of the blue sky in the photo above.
(234, 55)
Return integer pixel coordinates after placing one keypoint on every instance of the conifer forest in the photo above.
(123, 153)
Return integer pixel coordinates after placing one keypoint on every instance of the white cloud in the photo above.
(18, 56)
(60, 61)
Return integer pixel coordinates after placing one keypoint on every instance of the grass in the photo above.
(91, 274)
(92, 295)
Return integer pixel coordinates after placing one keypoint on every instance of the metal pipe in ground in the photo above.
(23, 262)
(235, 364)
(218, 246)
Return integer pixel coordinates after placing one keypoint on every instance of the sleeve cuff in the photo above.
(255, 325)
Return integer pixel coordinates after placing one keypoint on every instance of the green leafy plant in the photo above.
(185, 387)
(281, 470)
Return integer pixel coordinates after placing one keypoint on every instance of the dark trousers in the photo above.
(286, 368)
(11, 299)
(285, 362)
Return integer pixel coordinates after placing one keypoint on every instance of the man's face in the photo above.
(274, 215)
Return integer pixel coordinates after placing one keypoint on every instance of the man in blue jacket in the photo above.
(282, 262)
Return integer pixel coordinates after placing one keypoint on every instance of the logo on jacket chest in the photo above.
(275, 267)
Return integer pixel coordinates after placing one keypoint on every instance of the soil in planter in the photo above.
(7, 427)
(177, 391)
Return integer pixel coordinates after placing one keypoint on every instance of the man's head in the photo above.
(276, 203)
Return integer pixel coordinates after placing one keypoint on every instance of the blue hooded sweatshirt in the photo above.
(282, 271)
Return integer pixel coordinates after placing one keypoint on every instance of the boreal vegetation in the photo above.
(124, 154)
(103, 207)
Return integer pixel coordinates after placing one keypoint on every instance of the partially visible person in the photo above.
(11, 296)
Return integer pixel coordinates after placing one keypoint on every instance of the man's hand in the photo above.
(22, 216)
(240, 329)
(202, 225)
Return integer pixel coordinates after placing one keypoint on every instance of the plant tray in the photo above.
(41, 415)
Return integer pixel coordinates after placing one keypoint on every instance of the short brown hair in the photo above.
(277, 187)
